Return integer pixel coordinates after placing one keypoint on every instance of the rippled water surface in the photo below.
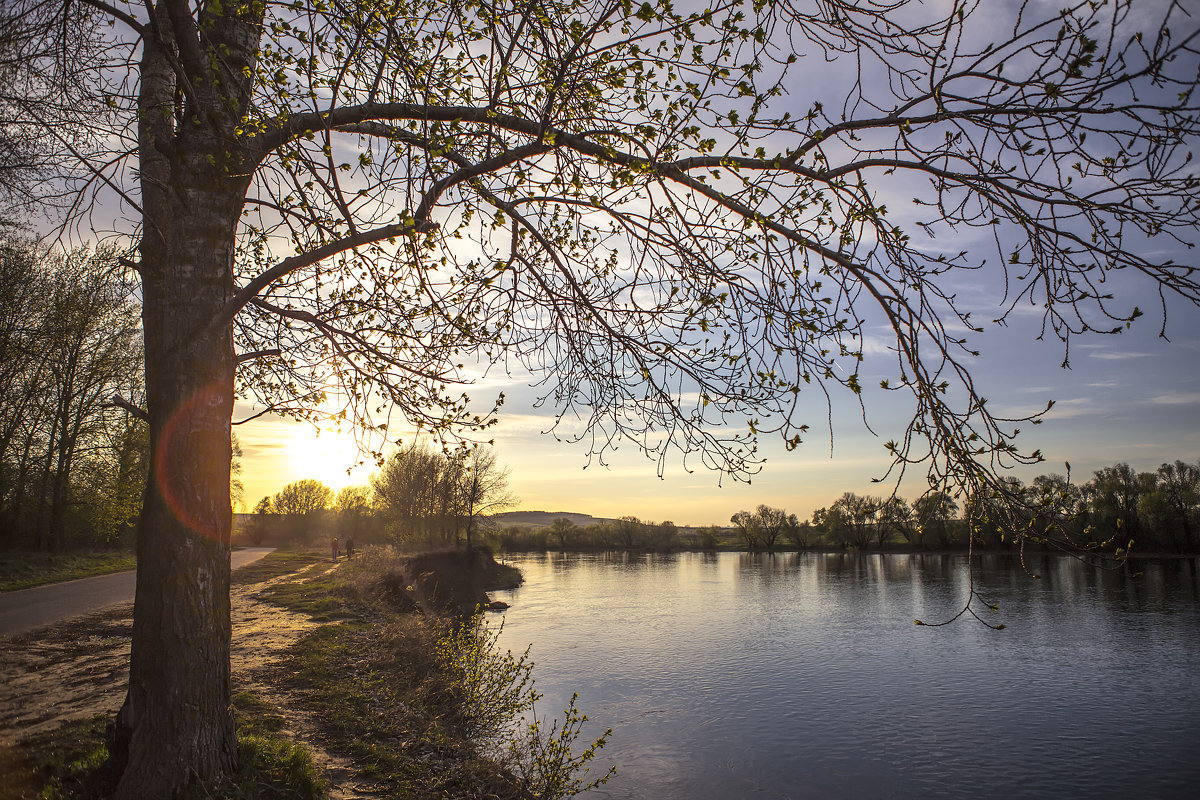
(738, 675)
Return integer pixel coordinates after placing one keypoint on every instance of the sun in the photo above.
(329, 456)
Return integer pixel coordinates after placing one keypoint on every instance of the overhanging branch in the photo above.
(247, 293)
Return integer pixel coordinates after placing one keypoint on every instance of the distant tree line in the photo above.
(421, 496)
(72, 464)
(1118, 509)
(626, 533)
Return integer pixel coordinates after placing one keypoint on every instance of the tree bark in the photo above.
(176, 721)
(176, 726)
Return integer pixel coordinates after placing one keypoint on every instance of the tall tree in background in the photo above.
(428, 494)
(90, 344)
(415, 493)
(1179, 488)
(857, 513)
(763, 527)
(619, 196)
(69, 341)
(23, 286)
(934, 511)
(483, 489)
(302, 498)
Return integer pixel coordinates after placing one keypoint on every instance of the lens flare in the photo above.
(182, 445)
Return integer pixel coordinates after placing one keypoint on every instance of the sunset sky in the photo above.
(1132, 397)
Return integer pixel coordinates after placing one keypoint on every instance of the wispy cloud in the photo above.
(1063, 409)
(1106, 352)
(1116, 355)
(1176, 399)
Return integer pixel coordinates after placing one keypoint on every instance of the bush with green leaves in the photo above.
(498, 702)
(546, 761)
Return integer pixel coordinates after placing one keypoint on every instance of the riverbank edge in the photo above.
(106, 562)
(378, 630)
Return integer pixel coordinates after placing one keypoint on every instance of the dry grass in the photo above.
(365, 690)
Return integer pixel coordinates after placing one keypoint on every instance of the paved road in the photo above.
(29, 609)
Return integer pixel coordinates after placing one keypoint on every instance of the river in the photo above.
(803, 676)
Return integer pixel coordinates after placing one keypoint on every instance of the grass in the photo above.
(269, 764)
(317, 597)
(23, 569)
(68, 762)
(375, 682)
(71, 763)
(272, 565)
(385, 704)
(371, 680)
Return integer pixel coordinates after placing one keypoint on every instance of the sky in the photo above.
(1132, 397)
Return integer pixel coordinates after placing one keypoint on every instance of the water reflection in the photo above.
(802, 675)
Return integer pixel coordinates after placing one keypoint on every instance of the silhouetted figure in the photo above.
(349, 547)
(335, 548)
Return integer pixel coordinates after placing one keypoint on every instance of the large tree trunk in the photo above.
(176, 725)
(176, 719)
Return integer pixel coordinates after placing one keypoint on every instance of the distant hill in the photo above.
(543, 519)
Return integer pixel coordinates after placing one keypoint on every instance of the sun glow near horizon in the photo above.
(328, 455)
(280, 451)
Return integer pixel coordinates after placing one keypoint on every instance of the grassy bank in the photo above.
(24, 570)
(388, 699)
(425, 705)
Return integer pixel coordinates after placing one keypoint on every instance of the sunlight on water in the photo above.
(738, 674)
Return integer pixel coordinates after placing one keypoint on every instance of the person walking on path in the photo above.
(335, 548)
(349, 547)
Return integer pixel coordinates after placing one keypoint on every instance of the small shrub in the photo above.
(546, 762)
(495, 688)
(497, 694)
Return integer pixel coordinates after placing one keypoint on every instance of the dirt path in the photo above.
(261, 633)
(64, 672)
(80, 669)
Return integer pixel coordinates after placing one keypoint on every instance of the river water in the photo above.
(803, 676)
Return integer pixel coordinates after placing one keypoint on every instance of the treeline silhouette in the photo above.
(626, 533)
(1119, 508)
(426, 498)
(421, 497)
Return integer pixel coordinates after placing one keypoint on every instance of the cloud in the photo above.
(1063, 409)
(1120, 356)
(1176, 399)
(1105, 353)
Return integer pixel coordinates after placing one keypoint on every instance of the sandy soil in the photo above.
(80, 668)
